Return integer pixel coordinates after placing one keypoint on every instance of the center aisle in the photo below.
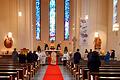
(53, 73)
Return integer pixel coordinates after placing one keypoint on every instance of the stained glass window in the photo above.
(52, 16)
(115, 15)
(66, 19)
(38, 20)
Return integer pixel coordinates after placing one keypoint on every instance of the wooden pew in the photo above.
(30, 68)
(106, 78)
(109, 69)
(103, 75)
(6, 77)
(82, 70)
(14, 74)
(22, 68)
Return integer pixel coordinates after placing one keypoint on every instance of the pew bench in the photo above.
(104, 75)
(14, 74)
(106, 78)
(6, 77)
(84, 70)
(21, 71)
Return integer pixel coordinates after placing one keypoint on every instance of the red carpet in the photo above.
(53, 73)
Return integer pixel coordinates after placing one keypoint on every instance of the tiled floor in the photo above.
(66, 74)
(40, 74)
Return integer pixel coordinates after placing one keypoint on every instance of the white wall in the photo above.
(97, 11)
(113, 37)
(11, 22)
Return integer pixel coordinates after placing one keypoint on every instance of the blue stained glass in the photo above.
(115, 13)
(66, 19)
(52, 19)
(37, 19)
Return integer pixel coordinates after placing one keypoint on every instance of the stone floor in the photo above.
(66, 74)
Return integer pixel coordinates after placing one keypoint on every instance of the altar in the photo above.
(53, 56)
(49, 51)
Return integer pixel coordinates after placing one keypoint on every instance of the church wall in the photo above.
(113, 37)
(8, 21)
(97, 11)
(18, 25)
(23, 28)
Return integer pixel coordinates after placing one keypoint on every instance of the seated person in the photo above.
(107, 57)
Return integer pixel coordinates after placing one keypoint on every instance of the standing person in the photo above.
(35, 56)
(43, 57)
(77, 57)
(85, 55)
(46, 47)
(38, 52)
(65, 49)
(30, 57)
(94, 62)
(22, 58)
(113, 54)
(53, 58)
(15, 55)
(58, 47)
(65, 58)
(89, 54)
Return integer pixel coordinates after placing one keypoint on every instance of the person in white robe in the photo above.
(38, 53)
(53, 58)
(65, 58)
(43, 57)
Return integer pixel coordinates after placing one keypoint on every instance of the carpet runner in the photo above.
(53, 73)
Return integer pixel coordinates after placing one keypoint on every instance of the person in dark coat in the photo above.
(22, 58)
(113, 54)
(77, 57)
(35, 56)
(30, 57)
(15, 55)
(89, 54)
(94, 62)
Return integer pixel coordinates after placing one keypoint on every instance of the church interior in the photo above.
(55, 31)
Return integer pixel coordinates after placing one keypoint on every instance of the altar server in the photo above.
(53, 58)
(43, 57)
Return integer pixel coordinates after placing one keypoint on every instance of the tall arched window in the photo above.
(38, 31)
(52, 18)
(115, 15)
(66, 19)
